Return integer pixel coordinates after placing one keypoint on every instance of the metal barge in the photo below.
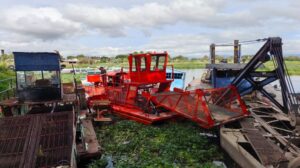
(43, 122)
(269, 137)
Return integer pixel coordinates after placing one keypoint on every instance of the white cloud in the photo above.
(216, 14)
(155, 25)
(113, 21)
(42, 23)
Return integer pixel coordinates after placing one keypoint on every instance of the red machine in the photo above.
(146, 73)
(143, 94)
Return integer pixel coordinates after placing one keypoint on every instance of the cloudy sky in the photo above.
(187, 27)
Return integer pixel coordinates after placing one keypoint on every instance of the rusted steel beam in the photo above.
(236, 56)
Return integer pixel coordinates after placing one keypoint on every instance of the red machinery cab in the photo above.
(146, 74)
(148, 68)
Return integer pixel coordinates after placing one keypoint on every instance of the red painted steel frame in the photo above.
(132, 94)
(201, 106)
(94, 78)
(146, 72)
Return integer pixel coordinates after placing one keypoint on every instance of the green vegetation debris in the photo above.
(172, 144)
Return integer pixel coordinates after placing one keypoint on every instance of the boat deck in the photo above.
(37, 140)
(268, 153)
(90, 146)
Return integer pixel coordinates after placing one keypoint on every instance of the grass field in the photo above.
(67, 78)
(293, 66)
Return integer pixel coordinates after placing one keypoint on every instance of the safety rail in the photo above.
(200, 105)
(7, 88)
(117, 96)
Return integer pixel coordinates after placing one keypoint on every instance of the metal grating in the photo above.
(267, 152)
(55, 146)
(43, 140)
(13, 140)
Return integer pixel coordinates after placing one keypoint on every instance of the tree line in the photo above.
(122, 58)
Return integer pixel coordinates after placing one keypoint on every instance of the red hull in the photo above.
(140, 116)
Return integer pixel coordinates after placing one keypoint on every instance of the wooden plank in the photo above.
(90, 139)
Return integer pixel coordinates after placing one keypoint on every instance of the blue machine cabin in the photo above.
(221, 75)
(38, 76)
(179, 79)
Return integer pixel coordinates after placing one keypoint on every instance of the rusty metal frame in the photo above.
(41, 140)
(14, 140)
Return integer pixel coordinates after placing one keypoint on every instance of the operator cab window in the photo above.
(154, 63)
(134, 64)
(161, 62)
(157, 63)
(143, 64)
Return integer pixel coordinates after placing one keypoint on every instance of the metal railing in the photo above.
(7, 88)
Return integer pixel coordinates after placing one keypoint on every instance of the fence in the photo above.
(7, 88)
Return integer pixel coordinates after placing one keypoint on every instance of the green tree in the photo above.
(180, 58)
(121, 58)
(7, 56)
(292, 58)
(71, 57)
(80, 56)
(104, 59)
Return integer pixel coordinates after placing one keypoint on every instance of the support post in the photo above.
(212, 53)
(236, 58)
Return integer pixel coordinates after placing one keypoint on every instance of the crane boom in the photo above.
(257, 77)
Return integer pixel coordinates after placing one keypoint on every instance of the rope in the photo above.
(246, 42)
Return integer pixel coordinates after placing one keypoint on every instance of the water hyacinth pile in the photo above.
(172, 144)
